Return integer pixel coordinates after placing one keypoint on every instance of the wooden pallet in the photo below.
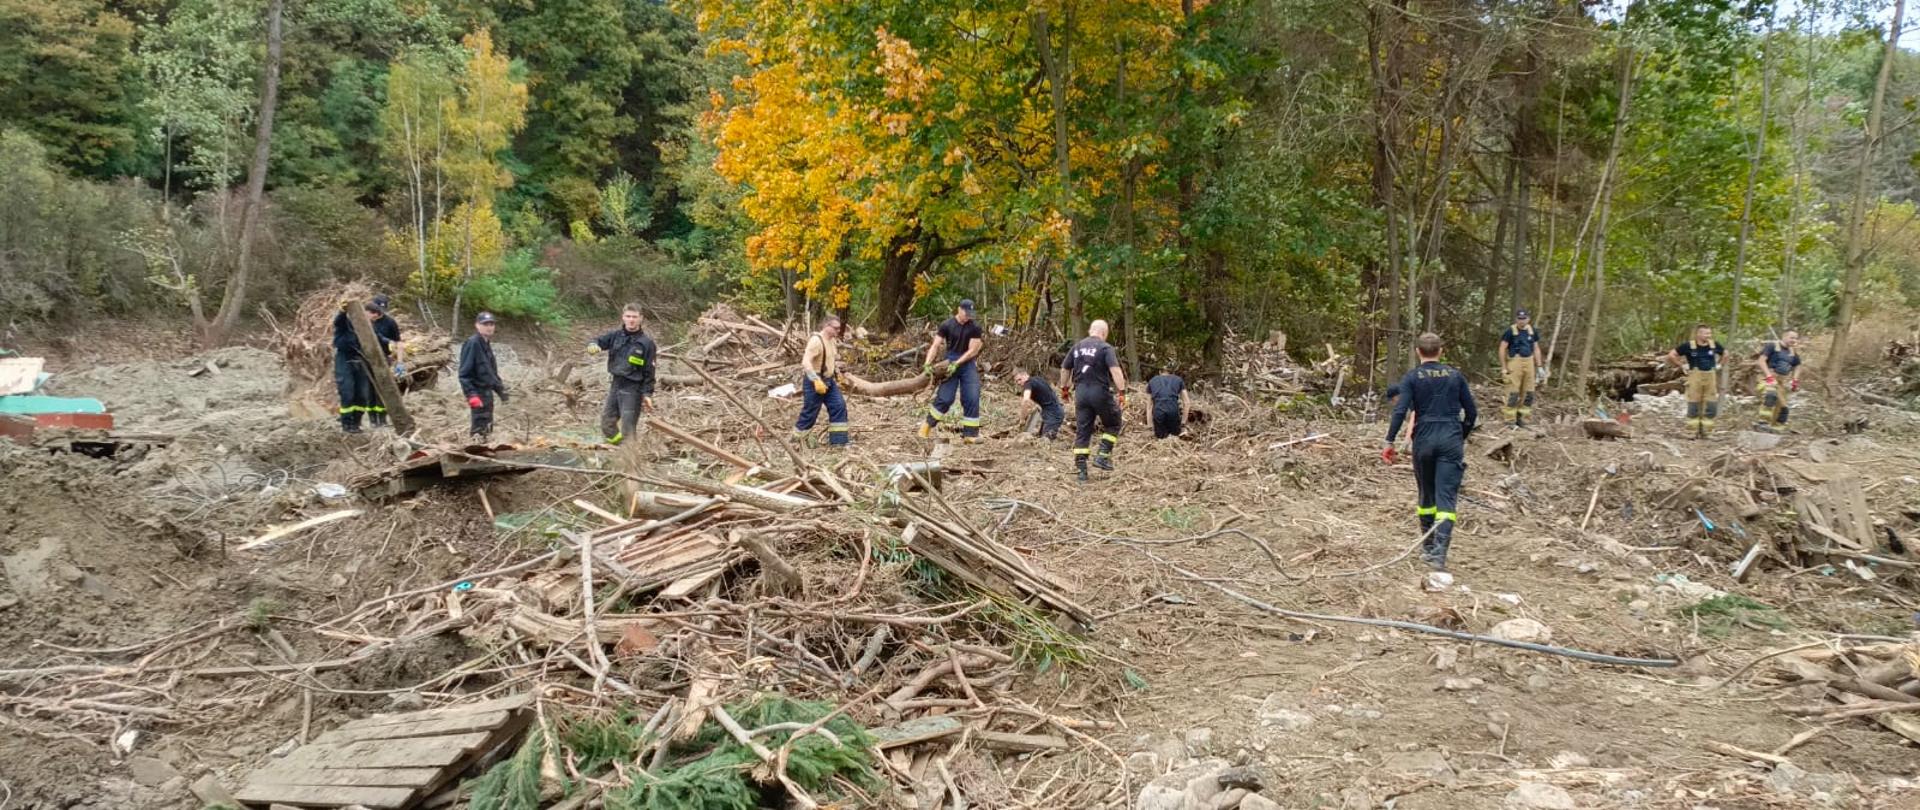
(388, 761)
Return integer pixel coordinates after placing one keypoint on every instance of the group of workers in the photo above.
(1090, 375)
(1435, 395)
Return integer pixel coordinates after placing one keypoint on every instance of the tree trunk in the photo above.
(1127, 182)
(1594, 319)
(896, 281)
(1056, 70)
(1384, 65)
(1753, 176)
(1857, 214)
(234, 299)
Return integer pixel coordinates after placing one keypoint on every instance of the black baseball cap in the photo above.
(483, 317)
(966, 305)
(380, 302)
(1522, 315)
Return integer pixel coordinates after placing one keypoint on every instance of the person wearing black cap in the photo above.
(350, 377)
(480, 376)
(630, 362)
(388, 332)
(1517, 346)
(962, 339)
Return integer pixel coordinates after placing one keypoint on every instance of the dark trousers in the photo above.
(622, 411)
(355, 389)
(1438, 466)
(963, 384)
(1166, 421)
(1090, 403)
(1046, 422)
(480, 420)
(838, 429)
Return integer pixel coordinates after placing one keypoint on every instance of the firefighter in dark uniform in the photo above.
(630, 362)
(1702, 355)
(1038, 399)
(962, 339)
(820, 386)
(392, 350)
(1099, 392)
(1780, 363)
(1169, 395)
(1437, 394)
(1517, 347)
(350, 375)
(480, 376)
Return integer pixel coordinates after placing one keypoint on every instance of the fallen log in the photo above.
(890, 388)
(1605, 429)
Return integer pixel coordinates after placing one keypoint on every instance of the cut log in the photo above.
(780, 575)
(378, 369)
(1605, 429)
(700, 444)
(890, 388)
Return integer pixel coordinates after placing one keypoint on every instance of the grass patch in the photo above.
(261, 610)
(1183, 517)
(1718, 616)
(720, 776)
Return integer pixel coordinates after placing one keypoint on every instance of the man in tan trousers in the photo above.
(1702, 356)
(1518, 345)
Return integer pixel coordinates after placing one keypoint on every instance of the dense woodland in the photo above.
(1199, 172)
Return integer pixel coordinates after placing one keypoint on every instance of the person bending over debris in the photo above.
(1438, 394)
(1169, 394)
(630, 352)
(392, 350)
(480, 376)
(962, 339)
(820, 365)
(1516, 356)
(1778, 359)
(1037, 399)
(1702, 355)
(350, 377)
(1099, 392)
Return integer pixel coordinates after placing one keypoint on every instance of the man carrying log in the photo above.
(1037, 399)
(630, 362)
(962, 340)
(820, 366)
(351, 372)
(1517, 345)
(1099, 392)
(392, 352)
(1702, 356)
(1438, 395)
(480, 376)
(1778, 359)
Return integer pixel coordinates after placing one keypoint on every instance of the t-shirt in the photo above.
(1091, 362)
(1781, 360)
(959, 336)
(1699, 357)
(1520, 341)
(1041, 392)
(389, 333)
(1165, 390)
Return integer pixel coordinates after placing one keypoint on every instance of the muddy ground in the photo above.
(108, 553)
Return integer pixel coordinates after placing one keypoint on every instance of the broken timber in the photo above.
(432, 466)
(967, 553)
(388, 761)
(381, 374)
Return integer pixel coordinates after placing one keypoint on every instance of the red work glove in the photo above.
(1771, 380)
(1389, 455)
(1065, 395)
(474, 401)
(1793, 385)
(1123, 400)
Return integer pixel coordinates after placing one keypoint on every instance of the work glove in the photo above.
(474, 401)
(399, 369)
(1066, 395)
(820, 386)
(1771, 380)
(1123, 400)
(1793, 384)
(951, 368)
(593, 348)
(503, 395)
(1389, 455)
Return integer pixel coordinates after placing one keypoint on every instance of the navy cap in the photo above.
(380, 302)
(1522, 315)
(966, 305)
(483, 317)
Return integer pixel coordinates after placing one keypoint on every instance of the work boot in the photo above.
(1103, 462)
(1080, 468)
(351, 429)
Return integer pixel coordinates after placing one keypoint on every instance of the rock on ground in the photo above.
(1526, 630)
(1540, 796)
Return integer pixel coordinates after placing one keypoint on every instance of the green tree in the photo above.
(67, 76)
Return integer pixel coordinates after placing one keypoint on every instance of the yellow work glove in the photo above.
(593, 348)
(820, 386)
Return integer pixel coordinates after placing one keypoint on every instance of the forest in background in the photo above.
(1197, 172)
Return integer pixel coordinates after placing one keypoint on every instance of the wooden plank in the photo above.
(426, 752)
(378, 369)
(688, 584)
(328, 796)
(503, 704)
(277, 774)
(431, 727)
(918, 730)
(284, 531)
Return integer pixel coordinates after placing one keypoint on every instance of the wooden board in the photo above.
(388, 761)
